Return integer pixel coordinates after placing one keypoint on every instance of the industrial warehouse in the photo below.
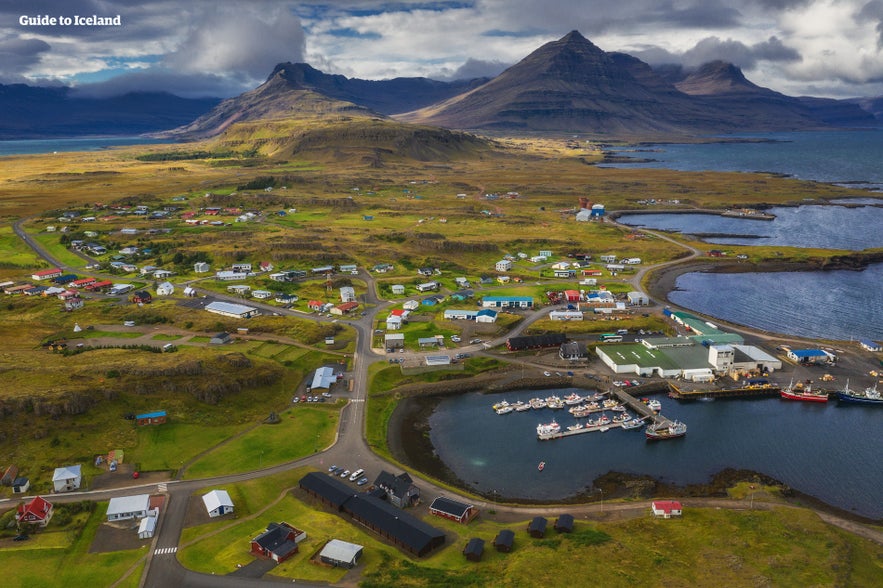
(701, 357)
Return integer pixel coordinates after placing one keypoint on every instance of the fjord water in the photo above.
(828, 451)
(33, 146)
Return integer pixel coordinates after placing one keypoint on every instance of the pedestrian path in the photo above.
(165, 550)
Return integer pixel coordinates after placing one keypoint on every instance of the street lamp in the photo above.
(601, 490)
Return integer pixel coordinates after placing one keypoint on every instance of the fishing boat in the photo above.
(548, 430)
(575, 427)
(658, 431)
(521, 407)
(622, 417)
(504, 409)
(555, 403)
(633, 424)
(537, 403)
(541, 466)
(572, 399)
(803, 393)
(502, 404)
(870, 395)
(654, 405)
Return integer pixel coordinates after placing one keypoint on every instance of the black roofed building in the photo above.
(535, 341)
(474, 549)
(453, 510)
(327, 489)
(564, 524)
(504, 540)
(278, 542)
(537, 527)
(402, 529)
(400, 490)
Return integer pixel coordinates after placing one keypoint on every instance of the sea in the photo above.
(829, 451)
(33, 146)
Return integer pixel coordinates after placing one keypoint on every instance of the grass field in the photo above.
(302, 430)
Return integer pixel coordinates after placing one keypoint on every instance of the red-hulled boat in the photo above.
(803, 393)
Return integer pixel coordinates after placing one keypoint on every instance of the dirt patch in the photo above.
(119, 536)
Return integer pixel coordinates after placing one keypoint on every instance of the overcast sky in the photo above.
(223, 47)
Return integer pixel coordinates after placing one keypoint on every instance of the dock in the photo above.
(760, 390)
(592, 429)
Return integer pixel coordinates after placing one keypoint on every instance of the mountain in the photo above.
(28, 112)
(572, 85)
(566, 85)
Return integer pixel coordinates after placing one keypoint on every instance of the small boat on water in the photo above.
(633, 424)
(576, 427)
(654, 405)
(499, 405)
(658, 432)
(504, 409)
(870, 395)
(572, 399)
(521, 407)
(622, 417)
(802, 392)
(555, 404)
(541, 466)
(537, 403)
(609, 403)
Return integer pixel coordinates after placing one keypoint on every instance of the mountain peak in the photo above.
(716, 77)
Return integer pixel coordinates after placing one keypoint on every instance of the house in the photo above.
(232, 310)
(666, 508)
(400, 490)
(265, 266)
(142, 297)
(315, 305)
(156, 417)
(456, 314)
(461, 295)
(241, 267)
(323, 378)
(564, 523)
(147, 526)
(344, 308)
(504, 541)
(871, 345)
(454, 510)
(537, 527)
(67, 478)
(428, 341)
(432, 300)
(283, 298)
(124, 508)
(398, 289)
(425, 271)
(217, 503)
(162, 274)
(201, 267)
(9, 475)
(573, 351)
(347, 294)
(73, 303)
(566, 315)
(228, 276)
(547, 253)
(486, 315)
(341, 554)
(20, 485)
(427, 287)
(394, 340)
(47, 274)
(507, 302)
(474, 549)
(572, 295)
(410, 305)
(278, 542)
(221, 339)
(393, 322)
(349, 268)
(165, 289)
(261, 294)
(38, 511)
(239, 289)
(638, 298)
(504, 265)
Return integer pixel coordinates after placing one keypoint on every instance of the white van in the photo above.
(356, 474)
(168, 347)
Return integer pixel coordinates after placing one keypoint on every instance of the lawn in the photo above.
(14, 253)
(302, 430)
(167, 446)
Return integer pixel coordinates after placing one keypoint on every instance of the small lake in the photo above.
(825, 450)
(854, 228)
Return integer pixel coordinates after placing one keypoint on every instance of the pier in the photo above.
(761, 390)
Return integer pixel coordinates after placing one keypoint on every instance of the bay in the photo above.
(828, 451)
(33, 146)
(838, 304)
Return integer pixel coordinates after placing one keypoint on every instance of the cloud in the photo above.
(18, 55)
(738, 53)
(474, 68)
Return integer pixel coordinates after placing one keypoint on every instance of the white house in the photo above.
(638, 298)
(666, 508)
(123, 508)
(165, 289)
(398, 289)
(147, 526)
(347, 294)
(393, 322)
(201, 267)
(504, 265)
(217, 503)
(67, 478)
(228, 276)
(262, 294)
(411, 305)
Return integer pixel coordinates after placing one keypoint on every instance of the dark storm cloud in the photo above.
(17, 54)
(873, 11)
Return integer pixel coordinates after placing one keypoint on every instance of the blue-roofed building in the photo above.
(156, 417)
(811, 356)
(486, 315)
(871, 345)
(507, 302)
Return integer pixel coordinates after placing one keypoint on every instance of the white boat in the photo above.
(633, 424)
(548, 430)
(499, 405)
(522, 407)
(654, 405)
(537, 403)
(576, 427)
(504, 410)
(572, 399)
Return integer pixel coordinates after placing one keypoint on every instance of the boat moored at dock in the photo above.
(869, 395)
(803, 393)
(661, 431)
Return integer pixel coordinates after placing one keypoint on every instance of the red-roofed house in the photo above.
(399, 312)
(36, 512)
(266, 266)
(666, 508)
(345, 308)
(47, 274)
(315, 305)
(572, 295)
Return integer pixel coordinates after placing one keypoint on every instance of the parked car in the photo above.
(362, 481)
(326, 394)
(344, 473)
(455, 338)
(474, 341)
(21, 537)
(547, 374)
(333, 469)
